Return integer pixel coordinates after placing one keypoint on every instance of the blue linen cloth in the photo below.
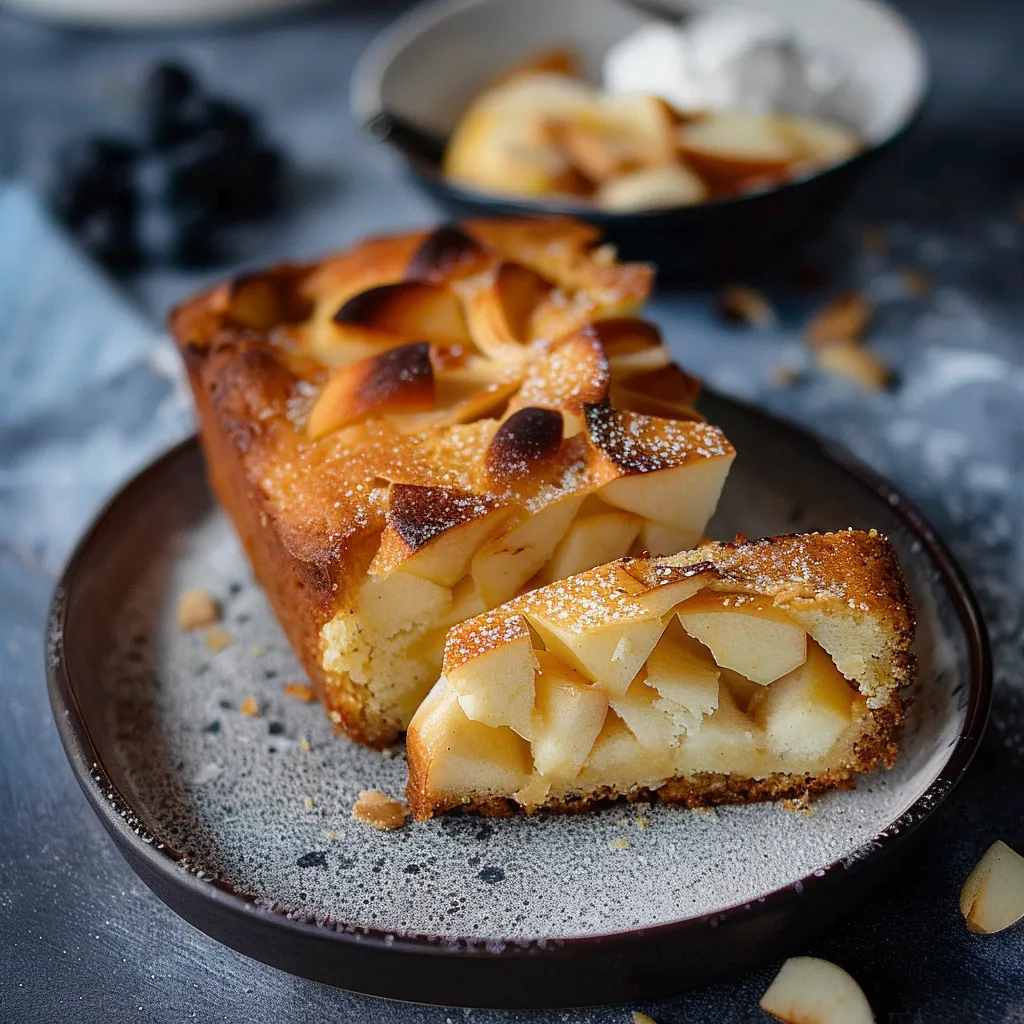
(90, 390)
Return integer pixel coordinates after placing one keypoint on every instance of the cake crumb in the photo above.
(307, 802)
(800, 804)
(379, 811)
(250, 706)
(642, 822)
(255, 650)
(304, 744)
(642, 1018)
(300, 691)
(620, 844)
(217, 638)
(197, 608)
(332, 835)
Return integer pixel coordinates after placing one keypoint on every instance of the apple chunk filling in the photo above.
(647, 675)
(448, 553)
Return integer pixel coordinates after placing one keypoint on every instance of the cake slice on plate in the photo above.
(730, 673)
(412, 432)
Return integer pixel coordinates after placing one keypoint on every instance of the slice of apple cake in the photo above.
(730, 673)
(416, 430)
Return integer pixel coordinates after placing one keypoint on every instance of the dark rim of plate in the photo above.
(122, 821)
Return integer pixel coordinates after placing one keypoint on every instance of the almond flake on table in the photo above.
(844, 319)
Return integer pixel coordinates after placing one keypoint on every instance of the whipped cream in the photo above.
(730, 57)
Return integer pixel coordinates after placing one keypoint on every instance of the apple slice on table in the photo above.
(812, 991)
(993, 895)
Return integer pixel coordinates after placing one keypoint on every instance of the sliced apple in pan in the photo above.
(496, 686)
(745, 633)
(592, 149)
(398, 380)
(499, 315)
(569, 716)
(812, 991)
(819, 143)
(645, 123)
(993, 895)
(671, 472)
(500, 144)
(737, 144)
(393, 314)
(652, 188)
(592, 540)
(434, 532)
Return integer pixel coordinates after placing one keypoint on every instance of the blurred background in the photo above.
(913, 276)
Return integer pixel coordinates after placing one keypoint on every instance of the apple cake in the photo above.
(417, 430)
(728, 673)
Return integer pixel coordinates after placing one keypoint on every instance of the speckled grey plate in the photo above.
(242, 823)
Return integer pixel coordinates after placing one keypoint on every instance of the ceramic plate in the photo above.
(242, 823)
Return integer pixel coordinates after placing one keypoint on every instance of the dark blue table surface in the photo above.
(81, 938)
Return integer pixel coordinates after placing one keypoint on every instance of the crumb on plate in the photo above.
(380, 811)
(217, 638)
(250, 706)
(197, 608)
(300, 691)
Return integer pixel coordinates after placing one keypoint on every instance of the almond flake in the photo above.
(844, 319)
(739, 304)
